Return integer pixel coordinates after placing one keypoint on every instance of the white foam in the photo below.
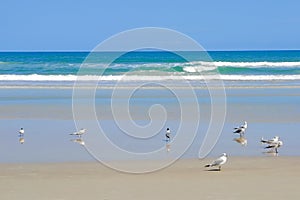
(242, 64)
(62, 78)
(37, 77)
(189, 67)
(255, 64)
(260, 77)
(201, 66)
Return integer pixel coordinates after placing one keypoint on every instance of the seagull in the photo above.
(242, 140)
(168, 135)
(275, 146)
(274, 139)
(219, 161)
(21, 131)
(79, 133)
(245, 126)
(274, 143)
(241, 129)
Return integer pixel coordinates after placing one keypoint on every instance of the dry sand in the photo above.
(241, 178)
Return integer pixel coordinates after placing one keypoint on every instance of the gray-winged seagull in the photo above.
(241, 129)
(79, 133)
(218, 162)
(274, 143)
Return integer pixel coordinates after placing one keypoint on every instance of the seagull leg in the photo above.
(220, 168)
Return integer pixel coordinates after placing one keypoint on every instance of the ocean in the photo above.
(36, 93)
(61, 68)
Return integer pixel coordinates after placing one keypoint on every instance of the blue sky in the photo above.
(216, 24)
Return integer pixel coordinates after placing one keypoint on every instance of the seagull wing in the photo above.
(267, 141)
(270, 146)
(218, 161)
(75, 133)
(239, 130)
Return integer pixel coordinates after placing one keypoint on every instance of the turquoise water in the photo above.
(27, 67)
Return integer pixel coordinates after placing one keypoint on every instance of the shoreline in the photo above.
(180, 161)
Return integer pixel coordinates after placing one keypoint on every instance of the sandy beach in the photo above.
(65, 171)
(241, 178)
(135, 100)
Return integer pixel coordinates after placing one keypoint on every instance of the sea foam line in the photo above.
(246, 64)
(211, 64)
(55, 78)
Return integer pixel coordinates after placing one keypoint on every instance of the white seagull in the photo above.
(218, 162)
(274, 143)
(245, 126)
(241, 129)
(21, 131)
(275, 146)
(274, 139)
(79, 133)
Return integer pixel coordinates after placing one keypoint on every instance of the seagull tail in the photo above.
(207, 165)
(262, 140)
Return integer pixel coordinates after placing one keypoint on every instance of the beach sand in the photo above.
(66, 172)
(241, 178)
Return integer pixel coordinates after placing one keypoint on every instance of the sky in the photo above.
(66, 25)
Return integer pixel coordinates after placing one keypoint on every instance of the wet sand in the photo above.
(253, 176)
(241, 178)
